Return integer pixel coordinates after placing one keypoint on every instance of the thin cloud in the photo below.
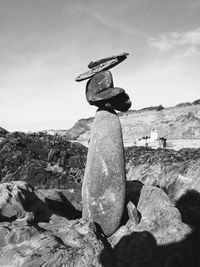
(114, 25)
(183, 43)
(111, 22)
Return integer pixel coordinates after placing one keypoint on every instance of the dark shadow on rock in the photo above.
(108, 254)
(136, 249)
(181, 254)
(189, 207)
(140, 249)
(133, 189)
(6, 219)
(64, 208)
(35, 205)
(42, 211)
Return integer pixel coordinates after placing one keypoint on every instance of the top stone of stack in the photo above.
(101, 65)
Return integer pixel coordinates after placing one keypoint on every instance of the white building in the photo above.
(154, 135)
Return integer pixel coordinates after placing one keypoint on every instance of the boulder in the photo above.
(159, 239)
(159, 217)
(103, 190)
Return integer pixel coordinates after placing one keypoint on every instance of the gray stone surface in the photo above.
(103, 191)
(100, 65)
(159, 217)
(58, 243)
(100, 91)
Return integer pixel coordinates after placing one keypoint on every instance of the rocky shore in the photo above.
(40, 207)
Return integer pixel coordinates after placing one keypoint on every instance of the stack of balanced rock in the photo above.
(103, 189)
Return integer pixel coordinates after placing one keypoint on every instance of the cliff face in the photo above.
(174, 123)
(179, 122)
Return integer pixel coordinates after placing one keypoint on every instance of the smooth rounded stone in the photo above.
(100, 91)
(101, 88)
(121, 102)
(103, 190)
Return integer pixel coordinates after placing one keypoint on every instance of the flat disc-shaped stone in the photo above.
(119, 57)
(100, 65)
(103, 190)
(91, 72)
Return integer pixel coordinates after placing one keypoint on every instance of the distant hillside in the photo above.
(82, 126)
(179, 122)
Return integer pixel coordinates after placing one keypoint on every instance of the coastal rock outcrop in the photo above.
(154, 234)
(58, 243)
(44, 161)
(174, 172)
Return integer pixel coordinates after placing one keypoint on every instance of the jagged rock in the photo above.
(32, 235)
(43, 161)
(173, 171)
(59, 243)
(18, 199)
(159, 217)
(159, 239)
(132, 213)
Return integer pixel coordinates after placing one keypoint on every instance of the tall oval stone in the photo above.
(103, 190)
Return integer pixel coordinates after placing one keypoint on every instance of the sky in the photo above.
(46, 44)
